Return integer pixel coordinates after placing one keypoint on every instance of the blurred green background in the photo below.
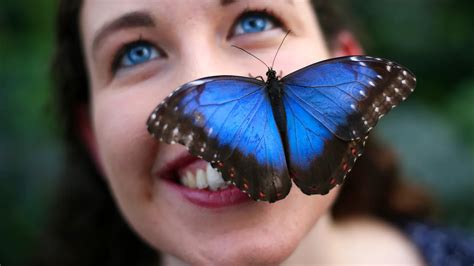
(433, 133)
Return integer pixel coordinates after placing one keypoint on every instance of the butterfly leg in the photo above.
(280, 75)
(257, 77)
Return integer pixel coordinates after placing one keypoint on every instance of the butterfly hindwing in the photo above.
(318, 160)
(228, 121)
(350, 94)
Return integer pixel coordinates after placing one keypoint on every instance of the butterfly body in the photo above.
(275, 92)
(309, 126)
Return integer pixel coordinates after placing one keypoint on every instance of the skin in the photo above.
(196, 40)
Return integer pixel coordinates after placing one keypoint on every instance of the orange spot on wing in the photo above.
(345, 166)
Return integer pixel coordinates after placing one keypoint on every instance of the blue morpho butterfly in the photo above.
(309, 126)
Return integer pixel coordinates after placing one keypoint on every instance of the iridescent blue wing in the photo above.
(348, 95)
(228, 121)
(330, 108)
(318, 160)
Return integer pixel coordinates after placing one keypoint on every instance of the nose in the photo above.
(204, 56)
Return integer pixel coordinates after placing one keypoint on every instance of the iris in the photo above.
(254, 22)
(138, 53)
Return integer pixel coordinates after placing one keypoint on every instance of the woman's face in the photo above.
(137, 52)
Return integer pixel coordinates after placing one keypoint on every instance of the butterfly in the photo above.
(309, 126)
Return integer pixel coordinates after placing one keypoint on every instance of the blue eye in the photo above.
(252, 22)
(137, 53)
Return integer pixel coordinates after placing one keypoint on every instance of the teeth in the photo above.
(203, 179)
(214, 179)
(190, 180)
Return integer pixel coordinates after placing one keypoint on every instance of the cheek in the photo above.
(125, 148)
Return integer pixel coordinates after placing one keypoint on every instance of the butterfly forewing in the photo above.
(350, 94)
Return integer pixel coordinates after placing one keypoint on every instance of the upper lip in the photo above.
(170, 169)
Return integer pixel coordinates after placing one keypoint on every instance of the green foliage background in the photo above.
(433, 133)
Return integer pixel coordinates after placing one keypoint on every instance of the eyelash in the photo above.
(266, 13)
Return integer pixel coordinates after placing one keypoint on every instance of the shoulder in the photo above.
(366, 240)
(441, 245)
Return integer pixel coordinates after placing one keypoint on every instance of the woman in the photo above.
(116, 61)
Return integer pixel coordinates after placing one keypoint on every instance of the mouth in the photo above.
(199, 183)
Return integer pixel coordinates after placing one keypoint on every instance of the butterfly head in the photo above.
(271, 74)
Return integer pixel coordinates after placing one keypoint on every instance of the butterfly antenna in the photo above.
(279, 48)
(250, 54)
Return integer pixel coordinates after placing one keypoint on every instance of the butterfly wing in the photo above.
(228, 121)
(348, 95)
(318, 160)
(330, 108)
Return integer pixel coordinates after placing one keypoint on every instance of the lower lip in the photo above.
(210, 199)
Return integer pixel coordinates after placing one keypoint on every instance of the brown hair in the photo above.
(86, 227)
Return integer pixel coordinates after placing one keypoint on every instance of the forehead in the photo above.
(95, 13)
(180, 18)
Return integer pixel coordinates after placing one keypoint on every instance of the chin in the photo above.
(250, 232)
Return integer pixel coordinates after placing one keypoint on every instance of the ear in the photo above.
(86, 132)
(346, 44)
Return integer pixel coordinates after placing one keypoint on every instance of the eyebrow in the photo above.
(129, 20)
(227, 2)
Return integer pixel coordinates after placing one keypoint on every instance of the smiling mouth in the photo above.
(194, 173)
(199, 183)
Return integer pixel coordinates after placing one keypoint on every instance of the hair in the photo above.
(85, 226)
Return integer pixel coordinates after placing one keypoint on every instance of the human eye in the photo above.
(255, 22)
(135, 53)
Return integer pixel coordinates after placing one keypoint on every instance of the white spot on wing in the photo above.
(196, 82)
